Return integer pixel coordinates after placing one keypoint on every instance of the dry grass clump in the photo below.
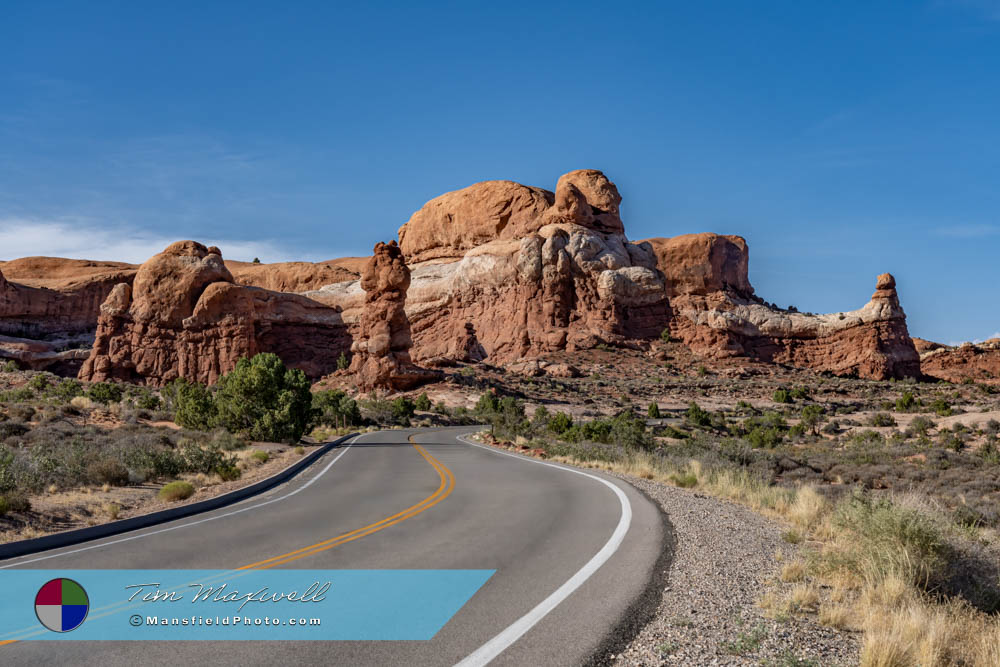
(176, 491)
(794, 571)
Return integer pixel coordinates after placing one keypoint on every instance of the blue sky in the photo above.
(841, 139)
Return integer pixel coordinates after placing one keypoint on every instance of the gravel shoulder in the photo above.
(726, 559)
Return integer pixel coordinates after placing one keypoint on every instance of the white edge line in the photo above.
(494, 647)
(191, 523)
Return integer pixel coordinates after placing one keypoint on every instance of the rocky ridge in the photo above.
(185, 316)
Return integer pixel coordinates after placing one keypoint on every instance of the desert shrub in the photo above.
(941, 407)
(343, 362)
(300, 450)
(193, 405)
(799, 393)
(653, 411)
(560, 422)
(697, 416)
(781, 396)
(12, 429)
(226, 441)
(176, 491)
(104, 392)
(228, 471)
(143, 398)
(629, 431)
(108, 471)
(21, 412)
(66, 390)
(260, 456)
(665, 335)
(19, 395)
(441, 408)
(203, 459)
(14, 502)
(831, 428)
(41, 381)
(905, 403)
(919, 426)
(882, 419)
(10, 366)
(423, 402)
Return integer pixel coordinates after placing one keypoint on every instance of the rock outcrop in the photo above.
(49, 308)
(968, 362)
(502, 271)
(184, 316)
(717, 315)
(289, 276)
(381, 349)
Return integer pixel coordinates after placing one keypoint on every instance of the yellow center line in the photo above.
(443, 491)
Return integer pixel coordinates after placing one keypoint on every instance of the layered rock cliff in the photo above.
(969, 362)
(184, 316)
(502, 271)
(716, 313)
(49, 308)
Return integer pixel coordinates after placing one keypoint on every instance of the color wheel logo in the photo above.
(61, 605)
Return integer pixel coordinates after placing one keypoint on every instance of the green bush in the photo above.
(800, 393)
(560, 422)
(14, 502)
(905, 403)
(423, 402)
(941, 407)
(653, 411)
(260, 456)
(343, 363)
(629, 431)
(261, 399)
(104, 392)
(335, 407)
(10, 366)
(696, 416)
(781, 396)
(41, 381)
(66, 390)
(812, 415)
(176, 491)
(21, 413)
(194, 407)
(665, 335)
(882, 419)
(228, 472)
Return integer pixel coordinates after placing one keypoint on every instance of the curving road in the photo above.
(574, 552)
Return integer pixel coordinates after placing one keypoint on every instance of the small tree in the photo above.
(653, 411)
(261, 399)
(423, 402)
(560, 422)
(193, 404)
(343, 362)
(256, 260)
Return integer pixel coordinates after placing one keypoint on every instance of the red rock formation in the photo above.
(185, 317)
(289, 276)
(502, 271)
(381, 350)
(49, 306)
(975, 362)
(716, 314)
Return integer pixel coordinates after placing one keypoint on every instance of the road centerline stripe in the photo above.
(447, 484)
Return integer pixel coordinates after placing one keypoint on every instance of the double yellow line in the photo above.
(442, 492)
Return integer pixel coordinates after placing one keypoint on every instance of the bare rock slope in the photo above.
(715, 312)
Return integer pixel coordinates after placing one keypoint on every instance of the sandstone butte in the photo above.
(497, 271)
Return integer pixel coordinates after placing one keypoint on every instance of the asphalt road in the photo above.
(573, 556)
